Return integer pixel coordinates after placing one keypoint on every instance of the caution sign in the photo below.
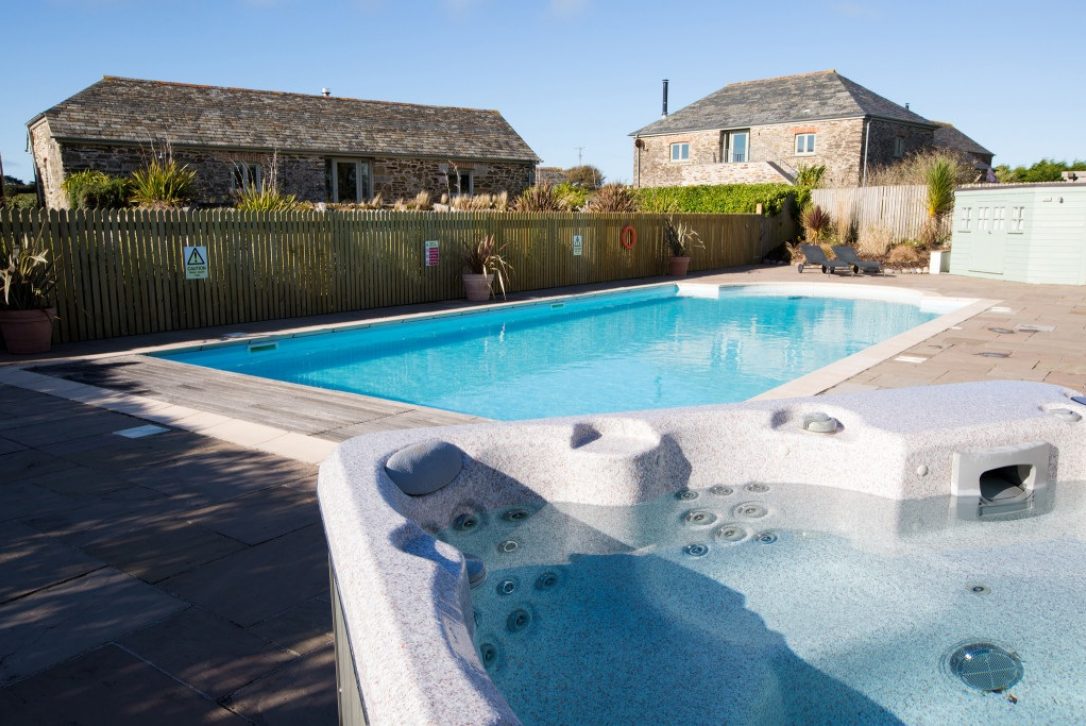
(578, 245)
(195, 263)
(431, 252)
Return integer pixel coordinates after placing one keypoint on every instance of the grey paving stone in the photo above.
(76, 425)
(301, 693)
(119, 455)
(105, 516)
(21, 501)
(302, 628)
(207, 652)
(259, 582)
(7, 446)
(21, 465)
(108, 687)
(36, 409)
(261, 516)
(80, 480)
(220, 474)
(54, 624)
(161, 550)
(30, 560)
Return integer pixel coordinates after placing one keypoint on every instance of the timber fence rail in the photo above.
(121, 272)
(900, 210)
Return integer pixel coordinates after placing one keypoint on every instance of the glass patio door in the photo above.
(350, 180)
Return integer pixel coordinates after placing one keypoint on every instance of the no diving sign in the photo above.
(195, 263)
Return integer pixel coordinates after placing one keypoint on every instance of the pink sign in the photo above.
(432, 252)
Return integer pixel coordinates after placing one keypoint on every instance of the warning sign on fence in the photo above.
(431, 252)
(578, 245)
(195, 263)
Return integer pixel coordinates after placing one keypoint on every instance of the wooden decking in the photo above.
(318, 412)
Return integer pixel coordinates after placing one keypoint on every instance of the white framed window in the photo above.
(735, 146)
(680, 151)
(248, 177)
(965, 219)
(1018, 219)
(899, 147)
(805, 144)
(460, 182)
(999, 218)
(984, 222)
(349, 180)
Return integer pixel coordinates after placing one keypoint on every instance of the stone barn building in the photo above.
(765, 130)
(324, 148)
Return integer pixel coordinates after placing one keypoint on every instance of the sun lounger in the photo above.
(846, 254)
(814, 257)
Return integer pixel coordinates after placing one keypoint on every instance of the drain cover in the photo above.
(985, 666)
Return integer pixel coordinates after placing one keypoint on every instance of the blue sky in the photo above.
(568, 73)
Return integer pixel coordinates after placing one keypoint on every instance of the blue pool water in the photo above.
(765, 604)
(652, 348)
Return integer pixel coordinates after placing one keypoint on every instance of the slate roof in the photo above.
(140, 111)
(947, 136)
(804, 97)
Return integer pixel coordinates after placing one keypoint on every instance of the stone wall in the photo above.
(839, 145)
(395, 178)
(883, 135)
(303, 175)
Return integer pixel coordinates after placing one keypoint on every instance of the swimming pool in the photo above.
(656, 347)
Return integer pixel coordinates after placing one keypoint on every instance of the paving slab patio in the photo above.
(180, 579)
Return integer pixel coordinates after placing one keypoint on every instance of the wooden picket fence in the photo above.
(899, 210)
(121, 272)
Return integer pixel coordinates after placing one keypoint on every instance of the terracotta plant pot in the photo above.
(477, 286)
(679, 266)
(27, 331)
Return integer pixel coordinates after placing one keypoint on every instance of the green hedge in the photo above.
(722, 198)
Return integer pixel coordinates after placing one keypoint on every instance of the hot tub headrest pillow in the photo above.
(425, 467)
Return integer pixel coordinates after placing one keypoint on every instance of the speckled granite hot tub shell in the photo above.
(405, 595)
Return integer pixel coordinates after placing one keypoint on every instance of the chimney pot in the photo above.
(664, 113)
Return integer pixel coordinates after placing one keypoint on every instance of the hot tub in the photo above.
(905, 556)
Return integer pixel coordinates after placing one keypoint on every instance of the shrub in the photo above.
(903, 255)
(163, 184)
(1042, 171)
(421, 202)
(816, 223)
(576, 197)
(27, 277)
(95, 190)
(681, 237)
(485, 258)
(614, 198)
(875, 241)
(722, 198)
(810, 176)
(584, 176)
(481, 202)
(914, 169)
(541, 198)
(25, 200)
(266, 200)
